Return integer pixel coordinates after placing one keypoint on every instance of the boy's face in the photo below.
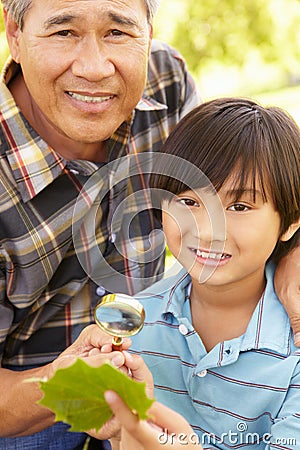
(251, 233)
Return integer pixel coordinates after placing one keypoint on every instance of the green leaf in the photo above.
(75, 394)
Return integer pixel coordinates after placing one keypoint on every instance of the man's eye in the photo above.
(64, 33)
(116, 33)
(239, 207)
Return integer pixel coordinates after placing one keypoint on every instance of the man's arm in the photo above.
(287, 286)
(20, 415)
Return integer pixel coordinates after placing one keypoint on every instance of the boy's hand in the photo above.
(167, 430)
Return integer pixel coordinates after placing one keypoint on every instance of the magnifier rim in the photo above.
(134, 305)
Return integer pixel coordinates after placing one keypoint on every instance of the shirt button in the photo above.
(183, 329)
(228, 351)
(202, 373)
(74, 171)
(100, 291)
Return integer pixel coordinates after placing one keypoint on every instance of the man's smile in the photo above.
(89, 98)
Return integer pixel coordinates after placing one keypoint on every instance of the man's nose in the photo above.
(92, 60)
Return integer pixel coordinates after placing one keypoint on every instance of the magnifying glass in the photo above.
(120, 316)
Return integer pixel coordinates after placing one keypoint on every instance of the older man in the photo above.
(85, 91)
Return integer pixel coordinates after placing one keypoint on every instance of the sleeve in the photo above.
(170, 82)
(6, 310)
(190, 97)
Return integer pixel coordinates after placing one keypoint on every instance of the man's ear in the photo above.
(12, 34)
(150, 39)
(290, 231)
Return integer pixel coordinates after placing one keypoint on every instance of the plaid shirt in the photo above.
(63, 242)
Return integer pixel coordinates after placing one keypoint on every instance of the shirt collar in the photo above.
(269, 327)
(149, 104)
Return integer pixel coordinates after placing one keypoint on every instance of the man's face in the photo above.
(84, 63)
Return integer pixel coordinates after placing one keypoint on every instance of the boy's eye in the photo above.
(188, 202)
(239, 207)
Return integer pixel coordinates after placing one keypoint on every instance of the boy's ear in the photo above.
(290, 231)
(12, 35)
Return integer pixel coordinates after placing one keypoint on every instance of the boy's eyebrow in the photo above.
(61, 19)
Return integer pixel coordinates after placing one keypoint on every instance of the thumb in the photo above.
(137, 430)
(139, 371)
(126, 417)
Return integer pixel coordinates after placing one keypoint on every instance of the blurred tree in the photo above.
(223, 31)
(3, 43)
(231, 32)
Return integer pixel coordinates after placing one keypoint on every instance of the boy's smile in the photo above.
(209, 257)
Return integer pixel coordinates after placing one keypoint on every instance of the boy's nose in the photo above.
(209, 228)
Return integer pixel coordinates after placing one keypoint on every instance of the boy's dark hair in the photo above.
(231, 133)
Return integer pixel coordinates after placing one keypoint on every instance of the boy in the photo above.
(216, 338)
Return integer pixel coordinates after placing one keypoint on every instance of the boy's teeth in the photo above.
(88, 98)
(206, 255)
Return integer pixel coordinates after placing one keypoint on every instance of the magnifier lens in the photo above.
(120, 315)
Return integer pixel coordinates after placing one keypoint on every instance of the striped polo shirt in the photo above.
(245, 392)
(72, 230)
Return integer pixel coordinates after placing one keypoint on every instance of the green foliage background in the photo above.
(3, 44)
(241, 45)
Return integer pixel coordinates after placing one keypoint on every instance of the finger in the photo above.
(295, 324)
(94, 336)
(297, 336)
(138, 429)
(96, 360)
(110, 429)
(121, 411)
(95, 351)
(168, 419)
(287, 287)
(139, 371)
(107, 348)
